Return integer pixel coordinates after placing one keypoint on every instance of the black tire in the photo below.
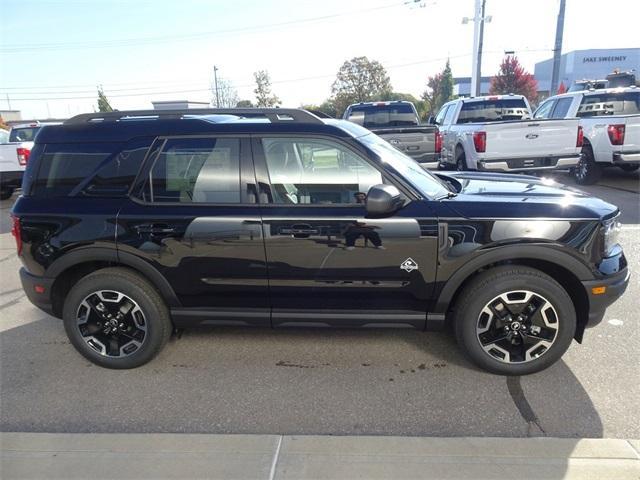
(629, 168)
(588, 171)
(461, 160)
(468, 311)
(6, 193)
(157, 321)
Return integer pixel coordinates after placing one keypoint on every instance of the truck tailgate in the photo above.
(9, 158)
(632, 134)
(532, 139)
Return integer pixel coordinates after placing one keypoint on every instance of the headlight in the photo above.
(611, 229)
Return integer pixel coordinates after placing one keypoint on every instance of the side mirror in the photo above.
(383, 200)
(431, 120)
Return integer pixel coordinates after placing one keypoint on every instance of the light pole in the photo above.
(215, 83)
(557, 50)
(479, 20)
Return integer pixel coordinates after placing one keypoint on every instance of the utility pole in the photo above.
(557, 50)
(478, 32)
(215, 83)
(476, 92)
(8, 101)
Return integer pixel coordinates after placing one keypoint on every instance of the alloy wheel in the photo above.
(517, 326)
(111, 323)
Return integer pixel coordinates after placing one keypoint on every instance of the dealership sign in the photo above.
(610, 58)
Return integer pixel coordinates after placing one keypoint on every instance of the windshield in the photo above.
(27, 134)
(601, 104)
(391, 115)
(493, 110)
(426, 183)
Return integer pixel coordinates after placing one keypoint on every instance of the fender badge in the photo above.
(409, 265)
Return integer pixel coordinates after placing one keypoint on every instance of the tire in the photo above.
(588, 171)
(6, 193)
(147, 323)
(629, 168)
(461, 160)
(554, 319)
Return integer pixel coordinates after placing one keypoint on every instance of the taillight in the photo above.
(16, 231)
(580, 137)
(616, 134)
(480, 141)
(23, 155)
(438, 141)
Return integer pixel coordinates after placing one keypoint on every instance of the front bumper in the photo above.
(614, 284)
(38, 290)
(528, 164)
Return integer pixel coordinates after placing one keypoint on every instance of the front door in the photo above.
(198, 223)
(328, 263)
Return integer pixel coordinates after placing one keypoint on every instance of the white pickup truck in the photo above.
(610, 120)
(14, 156)
(497, 133)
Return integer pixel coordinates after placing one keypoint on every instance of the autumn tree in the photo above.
(439, 90)
(264, 96)
(3, 125)
(103, 102)
(513, 78)
(562, 88)
(359, 80)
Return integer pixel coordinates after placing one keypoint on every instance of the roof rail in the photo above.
(275, 115)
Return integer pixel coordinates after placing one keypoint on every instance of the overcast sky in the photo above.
(143, 50)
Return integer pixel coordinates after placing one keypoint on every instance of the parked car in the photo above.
(399, 124)
(14, 156)
(497, 134)
(131, 224)
(610, 120)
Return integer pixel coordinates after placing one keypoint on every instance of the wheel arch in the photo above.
(69, 269)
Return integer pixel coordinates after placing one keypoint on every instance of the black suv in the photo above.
(133, 224)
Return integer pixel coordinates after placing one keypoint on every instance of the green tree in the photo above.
(244, 104)
(359, 80)
(327, 107)
(439, 90)
(103, 102)
(264, 97)
(513, 78)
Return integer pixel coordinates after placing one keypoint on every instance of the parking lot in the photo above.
(316, 381)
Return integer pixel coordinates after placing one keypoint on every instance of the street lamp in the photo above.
(478, 33)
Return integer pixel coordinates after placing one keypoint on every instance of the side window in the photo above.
(64, 167)
(316, 171)
(441, 115)
(448, 118)
(544, 110)
(562, 107)
(196, 170)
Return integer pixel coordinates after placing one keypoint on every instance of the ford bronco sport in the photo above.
(133, 224)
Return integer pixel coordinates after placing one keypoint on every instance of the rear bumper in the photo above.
(41, 296)
(11, 179)
(615, 285)
(528, 164)
(626, 157)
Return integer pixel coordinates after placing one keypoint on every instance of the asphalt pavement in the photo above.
(316, 381)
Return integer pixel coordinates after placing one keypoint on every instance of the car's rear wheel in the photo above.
(629, 168)
(461, 160)
(6, 193)
(514, 320)
(116, 319)
(588, 171)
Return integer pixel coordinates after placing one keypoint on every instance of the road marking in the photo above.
(274, 463)
(615, 322)
(630, 227)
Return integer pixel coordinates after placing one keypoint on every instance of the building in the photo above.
(462, 86)
(178, 105)
(11, 115)
(592, 64)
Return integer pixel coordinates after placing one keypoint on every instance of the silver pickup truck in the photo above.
(398, 123)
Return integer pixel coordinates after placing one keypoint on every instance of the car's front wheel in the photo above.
(514, 320)
(116, 319)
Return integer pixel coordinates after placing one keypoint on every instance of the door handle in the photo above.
(154, 228)
(300, 230)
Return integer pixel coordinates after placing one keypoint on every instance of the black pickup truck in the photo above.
(399, 124)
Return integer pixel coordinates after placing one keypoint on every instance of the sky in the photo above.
(53, 53)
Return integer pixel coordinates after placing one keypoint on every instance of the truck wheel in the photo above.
(461, 160)
(514, 320)
(6, 193)
(116, 319)
(587, 172)
(629, 168)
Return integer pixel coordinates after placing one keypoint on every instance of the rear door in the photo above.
(328, 263)
(194, 218)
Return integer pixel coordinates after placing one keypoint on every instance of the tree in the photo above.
(439, 90)
(512, 78)
(227, 96)
(103, 102)
(562, 88)
(3, 125)
(244, 104)
(264, 97)
(359, 80)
